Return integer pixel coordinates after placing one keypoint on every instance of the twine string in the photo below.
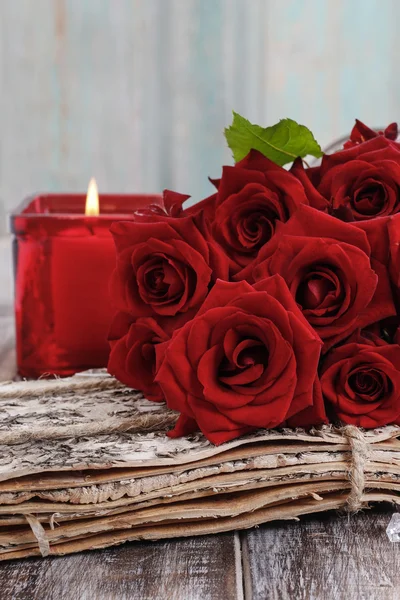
(360, 452)
(44, 387)
(40, 534)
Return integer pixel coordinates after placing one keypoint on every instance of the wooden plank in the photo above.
(329, 557)
(181, 569)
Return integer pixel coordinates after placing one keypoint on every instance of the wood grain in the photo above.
(329, 557)
(192, 569)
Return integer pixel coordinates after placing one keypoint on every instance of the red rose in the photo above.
(133, 356)
(306, 178)
(165, 268)
(252, 197)
(206, 207)
(384, 238)
(247, 360)
(363, 181)
(361, 133)
(172, 206)
(327, 267)
(393, 228)
(361, 380)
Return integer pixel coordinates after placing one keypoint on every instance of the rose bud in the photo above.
(172, 206)
(361, 133)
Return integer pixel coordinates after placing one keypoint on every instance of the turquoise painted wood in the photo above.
(137, 92)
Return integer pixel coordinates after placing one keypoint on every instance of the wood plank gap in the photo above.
(247, 588)
(238, 566)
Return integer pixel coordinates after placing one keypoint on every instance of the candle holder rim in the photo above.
(20, 210)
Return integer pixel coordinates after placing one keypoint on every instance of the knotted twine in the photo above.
(78, 383)
(360, 452)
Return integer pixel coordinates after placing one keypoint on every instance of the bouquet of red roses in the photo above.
(275, 301)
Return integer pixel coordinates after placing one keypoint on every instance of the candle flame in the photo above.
(92, 207)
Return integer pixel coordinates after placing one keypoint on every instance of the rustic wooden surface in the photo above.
(201, 568)
(324, 557)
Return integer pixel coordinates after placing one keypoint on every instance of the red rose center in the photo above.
(149, 354)
(257, 228)
(368, 383)
(245, 364)
(320, 289)
(370, 199)
(163, 281)
(155, 279)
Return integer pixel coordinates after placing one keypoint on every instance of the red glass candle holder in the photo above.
(63, 260)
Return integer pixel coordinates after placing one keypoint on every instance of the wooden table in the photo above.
(322, 557)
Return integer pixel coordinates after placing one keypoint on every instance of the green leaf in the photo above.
(281, 143)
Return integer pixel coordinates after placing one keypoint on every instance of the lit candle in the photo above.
(64, 255)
